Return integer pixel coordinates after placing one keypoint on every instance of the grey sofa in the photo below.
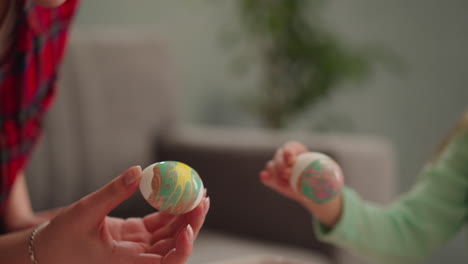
(117, 107)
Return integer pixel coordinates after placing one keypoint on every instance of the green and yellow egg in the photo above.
(171, 186)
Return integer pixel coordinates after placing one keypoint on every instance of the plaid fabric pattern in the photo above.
(28, 74)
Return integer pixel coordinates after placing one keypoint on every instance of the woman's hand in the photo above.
(83, 233)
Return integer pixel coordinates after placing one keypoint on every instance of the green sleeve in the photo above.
(414, 225)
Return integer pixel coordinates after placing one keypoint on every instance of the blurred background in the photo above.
(394, 69)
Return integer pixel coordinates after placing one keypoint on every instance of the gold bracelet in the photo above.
(34, 232)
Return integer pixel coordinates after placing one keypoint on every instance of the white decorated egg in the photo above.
(317, 176)
(171, 186)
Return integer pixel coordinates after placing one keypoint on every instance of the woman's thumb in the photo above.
(93, 208)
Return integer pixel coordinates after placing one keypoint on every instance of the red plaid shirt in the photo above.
(28, 74)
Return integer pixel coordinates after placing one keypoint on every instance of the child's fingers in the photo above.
(291, 150)
(295, 148)
(282, 182)
(289, 158)
(279, 163)
(270, 168)
(267, 180)
(271, 179)
(275, 177)
(278, 186)
(264, 175)
(268, 175)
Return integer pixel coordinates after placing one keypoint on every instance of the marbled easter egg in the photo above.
(316, 176)
(171, 186)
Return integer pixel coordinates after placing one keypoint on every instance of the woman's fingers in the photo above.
(92, 209)
(169, 230)
(157, 220)
(170, 251)
(196, 217)
(178, 251)
(184, 247)
(163, 247)
(147, 259)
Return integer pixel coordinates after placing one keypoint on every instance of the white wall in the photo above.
(414, 110)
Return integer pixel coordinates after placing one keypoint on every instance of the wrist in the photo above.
(45, 244)
(328, 213)
(14, 247)
(32, 249)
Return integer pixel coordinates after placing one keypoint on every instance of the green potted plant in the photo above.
(299, 62)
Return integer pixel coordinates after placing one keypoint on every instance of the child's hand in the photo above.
(277, 173)
(83, 233)
(278, 170)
